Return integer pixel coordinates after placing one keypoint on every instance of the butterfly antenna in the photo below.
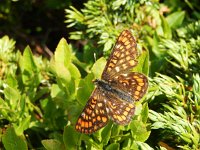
(95, 57)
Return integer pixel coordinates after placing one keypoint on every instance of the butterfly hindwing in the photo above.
(94, 115)
(119, 111)
(133, 83)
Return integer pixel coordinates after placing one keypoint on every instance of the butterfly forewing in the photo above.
(123, 56)
(94, 115)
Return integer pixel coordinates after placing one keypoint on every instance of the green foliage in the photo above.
(41, 99)
(12, 141)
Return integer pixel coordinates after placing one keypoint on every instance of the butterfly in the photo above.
(118, 89)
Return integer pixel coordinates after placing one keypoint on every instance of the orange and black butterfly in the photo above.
(117, 90)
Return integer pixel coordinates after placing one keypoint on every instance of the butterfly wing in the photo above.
(132, 83)
(120, 111)
(122, 58)
(94, 115)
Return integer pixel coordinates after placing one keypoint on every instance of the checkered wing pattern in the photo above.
(120, 111)
(133, 83)
(94, 115)
(123, 57)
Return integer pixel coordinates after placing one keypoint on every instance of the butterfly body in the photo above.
(108, 89)
(117, 91)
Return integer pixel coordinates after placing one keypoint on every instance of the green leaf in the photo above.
(6, 45)
(106, 133)
(23, 125)
(176, 19)
(52, 144)
(56, 92)
(71, 137)
(143, 146)
(98, 67)
(166, 28)
(61, 62)
(13, 142)
(144, 113)
(155, 42)
(85, 88)
(28, 61)
(63, 53)
(12, 81)
(143, 63)
(113, 146)
(108, 45)
(139, 131)
(66, 71)
(74, 71)
(29, 69)
(13, 96)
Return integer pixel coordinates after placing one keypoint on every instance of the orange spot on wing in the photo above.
(137, 93)
(104, 119)
(99, 118)
(132, 62)
(139, 88)
(128, 46)
(128, 109)
(90, 124)
(141, 84)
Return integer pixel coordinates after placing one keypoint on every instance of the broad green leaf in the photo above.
(63, 53)
(52, 144)
(143, 63)
(74, 111)
(115, 130)
(66, 72)
(61, 64)
(13, 96)
(134, 146)
(127, 143)
(108, 45)
(23, 125)
(56, 91)
(85, 88)
(71, 137)
(139, 131)
(63, 74)
(155, 42)
(113, 146)
(176, 19)
(13, 142)
(28, 61)
(106, 133)
(29, 69)
(74, 71)
(12, 81)
(4, 108)
(144, 113)
(166, 28)
(6, 45)
(98, 67)
(143, 146)
(59, 95)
